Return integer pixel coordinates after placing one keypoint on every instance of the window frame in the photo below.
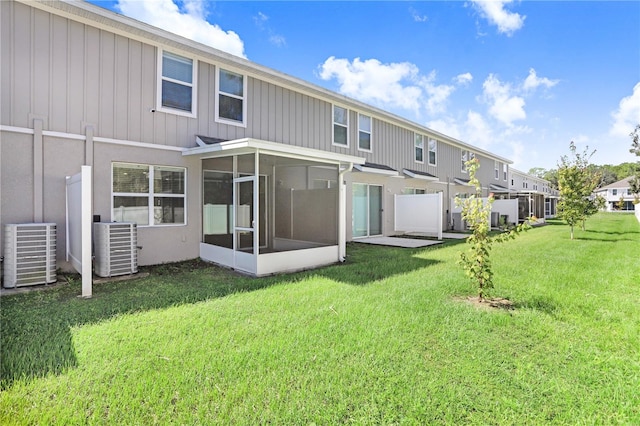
(334, 124)
(434, 150)
(151, 195)
(504, 171)
(369, 132)
(417, 147)
(469, 155)
(243, 98)
(194, 84)
(496, 169)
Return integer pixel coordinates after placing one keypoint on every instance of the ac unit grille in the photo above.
(29, 254)
(115, 248)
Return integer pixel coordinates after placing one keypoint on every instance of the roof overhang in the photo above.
(376, 169)
(498, 188)
(463, 182)
(249, 145)
(420, 175)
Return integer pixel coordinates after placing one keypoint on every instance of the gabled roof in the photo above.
(622, 183)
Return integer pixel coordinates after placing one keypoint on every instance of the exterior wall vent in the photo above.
(29, 254)
(115, 245)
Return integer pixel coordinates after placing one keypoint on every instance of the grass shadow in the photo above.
(36, 338)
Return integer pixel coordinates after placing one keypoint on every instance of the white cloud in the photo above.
(391, 85)
(447, 126)
(190, 22)
(275, 39)
(417, 17)
(494, 11)
(532, 81)
(464, 79)
(478, 130)
(627, 116)
(503, 105)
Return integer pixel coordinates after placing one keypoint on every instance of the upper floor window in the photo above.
(614, 192)
(419, 148)
(231, 89)
(148, 195)
(176, 84)
(466, 156)
(364, 132)
(496, 169)
(433, 151)
(504, 171)
(340, 126)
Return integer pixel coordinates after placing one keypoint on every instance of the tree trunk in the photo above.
(572, 232)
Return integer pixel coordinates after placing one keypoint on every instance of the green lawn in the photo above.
(381, 339)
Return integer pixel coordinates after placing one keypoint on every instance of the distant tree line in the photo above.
(608, 173)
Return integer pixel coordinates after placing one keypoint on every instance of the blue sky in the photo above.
(518, 78)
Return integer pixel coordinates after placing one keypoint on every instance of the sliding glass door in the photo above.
(367, 210)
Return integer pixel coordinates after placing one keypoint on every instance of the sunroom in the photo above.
(269, 208)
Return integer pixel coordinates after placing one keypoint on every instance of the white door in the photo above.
(244, 240)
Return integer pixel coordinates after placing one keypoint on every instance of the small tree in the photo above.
(475, 261)
(576, 183)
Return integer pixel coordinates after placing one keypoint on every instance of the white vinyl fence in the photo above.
(419, 213)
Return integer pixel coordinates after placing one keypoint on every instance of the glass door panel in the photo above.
(375, 210)
(244, 224)
(360, 210)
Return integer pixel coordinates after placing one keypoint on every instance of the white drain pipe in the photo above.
(342, 213)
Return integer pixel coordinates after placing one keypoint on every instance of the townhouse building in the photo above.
(209, 154)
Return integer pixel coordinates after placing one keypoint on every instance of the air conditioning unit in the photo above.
(115, 247)
(29, 254)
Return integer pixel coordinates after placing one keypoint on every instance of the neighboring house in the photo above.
(210, 154)
(535, 195)
(615, 192)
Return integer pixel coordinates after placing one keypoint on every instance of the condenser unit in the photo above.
(115, 246)
(29, 254)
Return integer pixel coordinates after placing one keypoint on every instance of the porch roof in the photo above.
(211, 147)
(376, 168)
(460, 181)
(420, 175)
(499, 188)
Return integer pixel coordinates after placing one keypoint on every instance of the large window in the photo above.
(433, 151)
(148, 195)
(419, 148)
(177, 80)
(496, 169)
(364, 132)
(340, 126)
(504, 171)
(231, 107)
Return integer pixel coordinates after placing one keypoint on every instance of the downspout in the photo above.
(342, 213)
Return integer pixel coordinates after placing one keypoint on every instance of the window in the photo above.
(419, 148)
(614, 192)
(466, 156)
(148, 195)
(413, 191)
(340, 126)
(176, 84)
(364, 132)
(496, 169)
(231, 107)
(433, 150)
(504, 171)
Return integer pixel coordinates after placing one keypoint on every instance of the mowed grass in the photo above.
(385, 338)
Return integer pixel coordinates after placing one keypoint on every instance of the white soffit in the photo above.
(414, 175)
(248, 145)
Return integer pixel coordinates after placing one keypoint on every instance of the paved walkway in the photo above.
(397, 242)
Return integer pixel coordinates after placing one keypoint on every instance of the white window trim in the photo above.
(415, 157)
(193, 84)
(223, 120)
(370, 132)
(435, 151)
(150, 196)
(504, 171)
(496, 169)
(333, 124)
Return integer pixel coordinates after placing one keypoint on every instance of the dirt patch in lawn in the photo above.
(490, 303)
